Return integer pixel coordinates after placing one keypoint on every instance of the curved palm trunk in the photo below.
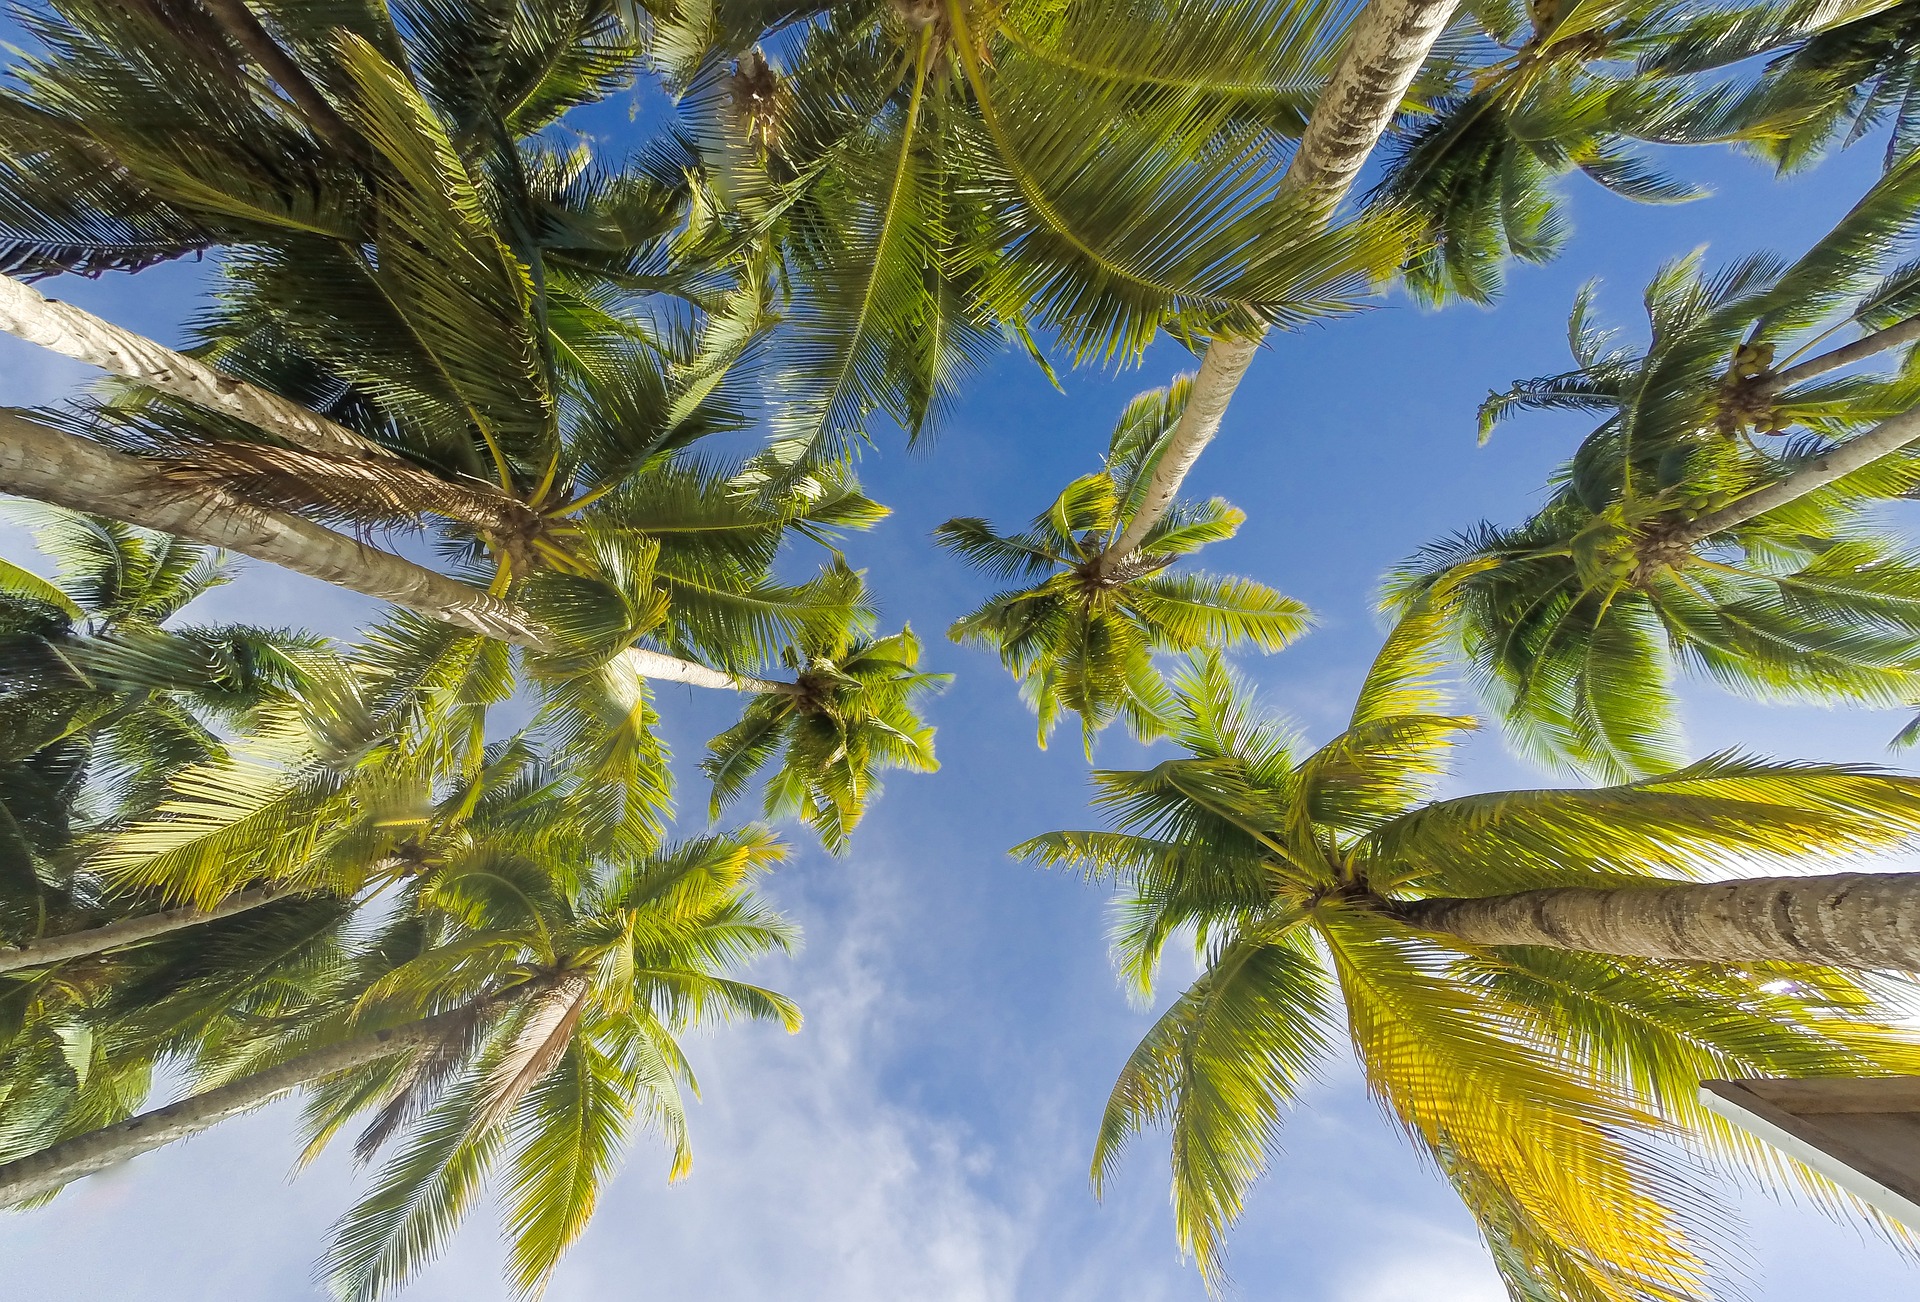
(130, 931)
(71, 332)
(1893, 336)
(49, 465)
(44, 1172)
(1852, 920)
(1843, 459)
(663, 668)
(246, 31)
(1388, 43)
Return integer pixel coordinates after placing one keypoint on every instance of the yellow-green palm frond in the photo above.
(1727, 815)
(1219, 1069)
(445, 270)
(1573, 1163)
(854, 712)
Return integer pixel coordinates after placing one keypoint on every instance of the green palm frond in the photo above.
(1266, 851)
(1219, 1069)
(854, 713)
(1578, 623)
(577, 982)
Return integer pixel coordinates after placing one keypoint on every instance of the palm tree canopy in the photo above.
(1853, 71)
(1082, 638)
(855, 715)
(590, 977)
(102, 701)
(933, 178)
(1523, 95)
(484, 310)
(1283, 860)
(1577, 622)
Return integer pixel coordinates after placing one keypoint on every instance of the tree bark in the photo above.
(1903, 332)
(1388, 43)
(130, 931)
(44, 1172)
(1843, 459)
(71, 332)
(239, 23)
(49, 465)
(661, 667)
(1851, 920)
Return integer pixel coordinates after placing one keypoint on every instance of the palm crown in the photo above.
(1528, 93)
(1285, 862)
(1082, 639)
(1848, 72)
(1577, 621)
(470, 319)
(103, 701)
(934, 175)
(558, 949)
(855, 714)
(576, 977)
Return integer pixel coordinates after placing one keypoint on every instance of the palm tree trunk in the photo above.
(130, 931)
(1843, 459)
(49, 465)
(664, 668)
(1852, 920)
(1385, 48)
(71, 332)
(1904, 332)
(44, 1172)
(239, 23)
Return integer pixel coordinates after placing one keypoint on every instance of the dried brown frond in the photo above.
(758, 96)
(370, 491)
(536, 1048)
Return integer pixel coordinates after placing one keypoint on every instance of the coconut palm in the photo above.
(1535, 92)
(1382, 50)
(1083, 640)
(527, 1011)
(1555, 1089)
(134, 134)
(491, 340)
(855, 715)
(102, 702)
(1674, 539)
(935, 176)
(1530, 93)
(440, 348)
(1855, 71)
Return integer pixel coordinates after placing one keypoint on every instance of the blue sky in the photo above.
(926, 1135)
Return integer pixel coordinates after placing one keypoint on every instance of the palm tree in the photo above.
(931, 177)
(102, 703)
(1545, 89)
(1853, 71)
(1673, 538)
(855, 715)
(1081, 639)
(1381, 52)
(529, 1010)
(1549, 1084)
(412, 400)
(1530, 93)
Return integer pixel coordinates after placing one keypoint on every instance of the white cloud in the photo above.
(1444, 1270)
(808, 1180)
(1424, 1265)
